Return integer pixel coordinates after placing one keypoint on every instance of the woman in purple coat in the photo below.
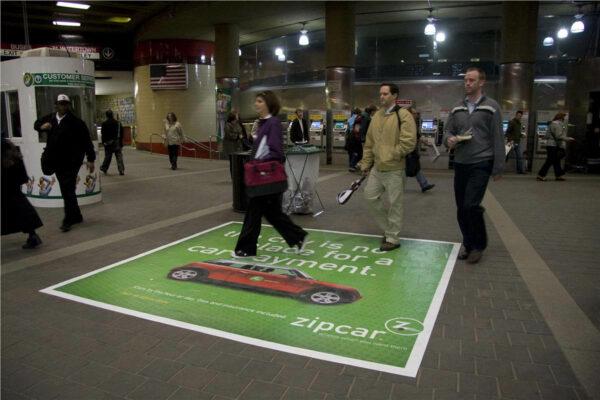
(267, 146)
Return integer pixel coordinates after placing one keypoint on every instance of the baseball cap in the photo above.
(63, 97)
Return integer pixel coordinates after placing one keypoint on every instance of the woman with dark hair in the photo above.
(232, 141)
(18, 215)
(173, 136)
(555, 148)
(267, 146)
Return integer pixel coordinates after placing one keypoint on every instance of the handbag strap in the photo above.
(396, 109)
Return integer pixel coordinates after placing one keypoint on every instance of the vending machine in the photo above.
(30, 87)
(316, 120)
(340, 127)
(429, 130)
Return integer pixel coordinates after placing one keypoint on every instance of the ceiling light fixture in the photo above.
(548, 41)
(562, 33)
(440, 37)
(281, 57)
(119, 20)
(68, 4)
(239, 52)
(278, 51)
(430, 27)
(303, 40)
(578, 26)
(66, 23)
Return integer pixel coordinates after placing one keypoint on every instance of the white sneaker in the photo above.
(300, 246)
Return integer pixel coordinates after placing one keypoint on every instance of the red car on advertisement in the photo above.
(266, 278)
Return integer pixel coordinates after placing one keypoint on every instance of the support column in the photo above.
(339, 67)
(519, 34)
(227, 72)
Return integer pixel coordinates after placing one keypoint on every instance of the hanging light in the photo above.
(440, 37)
(562, 33)
(430, 27)
(278, 51)
(548, 41)
(281, 57)
(303, 40)
(578, 26)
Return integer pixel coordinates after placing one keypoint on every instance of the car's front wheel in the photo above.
(325, 297)
(188, 274)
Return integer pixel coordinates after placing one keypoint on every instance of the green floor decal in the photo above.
(340, 300)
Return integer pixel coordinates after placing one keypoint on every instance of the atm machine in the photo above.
(429, 132)
(340, 126)
(316, 120)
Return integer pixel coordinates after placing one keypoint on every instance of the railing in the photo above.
(196, 144)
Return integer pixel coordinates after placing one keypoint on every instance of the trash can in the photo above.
(240, 201)
(302, 168)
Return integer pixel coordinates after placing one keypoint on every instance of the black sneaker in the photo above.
(463, 253)
(32, 242)
(387, 246)
(241, 254)
(428, 187)
(66, 226)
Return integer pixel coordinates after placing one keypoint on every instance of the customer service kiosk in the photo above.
(30, 85)
(340, 127)
(316, 120)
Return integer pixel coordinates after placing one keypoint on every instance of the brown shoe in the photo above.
(387, 246)
(463, 254)
(474, 256)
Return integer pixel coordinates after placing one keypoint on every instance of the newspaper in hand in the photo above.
(465, 136)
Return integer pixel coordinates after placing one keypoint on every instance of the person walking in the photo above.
(420, 177)
(232, 141)
(68, 143)
(299, 128)
(267, 146)
(18, 215)
(391, 136)
(173, 136)
(513, 138)
(112, 140)
(556, 144)
(474, 131)
(352, 143)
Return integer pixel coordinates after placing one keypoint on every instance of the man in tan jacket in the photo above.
(391, 136)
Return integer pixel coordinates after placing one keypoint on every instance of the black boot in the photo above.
(32, 242)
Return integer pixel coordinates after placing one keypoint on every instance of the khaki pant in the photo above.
(392, 183)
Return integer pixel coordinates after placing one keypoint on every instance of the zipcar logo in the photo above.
(317, 326)
(404, 326)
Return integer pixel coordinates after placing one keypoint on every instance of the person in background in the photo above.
(392, 135)
(112, 139)
(246, 140)
(299, 129)
(353, 143)
(68, 142)
(173, 136)
(474, 131)
(18, 215)
(420, 177)
(267, 146)
(232, 141)
(513, 137)
(556, 144)
(366, 121)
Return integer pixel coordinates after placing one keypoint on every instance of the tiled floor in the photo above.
(490, 340)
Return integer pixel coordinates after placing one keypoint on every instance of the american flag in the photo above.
(168, 76)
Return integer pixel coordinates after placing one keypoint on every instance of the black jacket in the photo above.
(68, 142)
(111, 132)
(296, 132)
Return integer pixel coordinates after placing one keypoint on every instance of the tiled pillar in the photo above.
(227, 64)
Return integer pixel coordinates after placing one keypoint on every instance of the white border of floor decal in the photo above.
(412, 364)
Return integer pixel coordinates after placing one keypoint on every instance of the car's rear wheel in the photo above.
(325, 297)
(188, 274)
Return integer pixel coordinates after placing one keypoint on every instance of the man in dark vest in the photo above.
(68, 142)
(299, 130)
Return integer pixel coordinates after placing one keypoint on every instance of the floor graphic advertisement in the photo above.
(340, 300)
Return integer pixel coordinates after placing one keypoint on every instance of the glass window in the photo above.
(11, 117)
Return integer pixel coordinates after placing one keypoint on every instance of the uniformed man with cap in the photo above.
(68, 142)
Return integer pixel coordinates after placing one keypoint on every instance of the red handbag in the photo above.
(264, 178)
